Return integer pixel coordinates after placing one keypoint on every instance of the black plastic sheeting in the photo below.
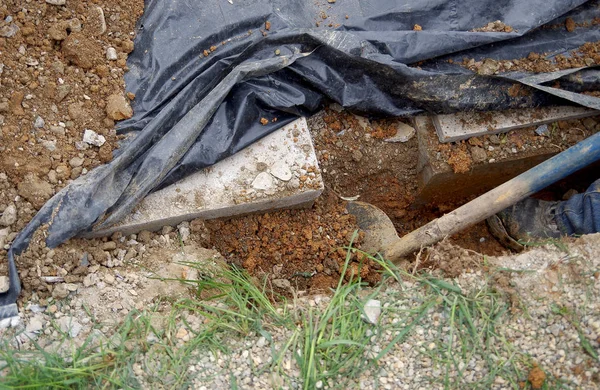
(195, 106)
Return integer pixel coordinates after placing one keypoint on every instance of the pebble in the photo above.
(372, 311)
(9, 216)
(281, 171)
(39, 122)
(76, 162)
(111, 54)
(109, 279)
(34, 325)
(56, 2)
(69, 325)
(404, 133)
(9, 31)
(118, 108)
(93, 138)
(283, 284)
(264, 181)
(4, 284)
(60, 291)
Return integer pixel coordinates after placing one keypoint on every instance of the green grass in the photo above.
(331, 345)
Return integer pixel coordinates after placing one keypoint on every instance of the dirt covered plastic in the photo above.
(205, 72)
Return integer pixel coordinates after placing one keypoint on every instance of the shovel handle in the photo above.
(535, 179)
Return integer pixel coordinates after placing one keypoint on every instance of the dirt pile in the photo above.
(299, 249)
(59, 67)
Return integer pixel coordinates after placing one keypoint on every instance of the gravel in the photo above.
(542, 279)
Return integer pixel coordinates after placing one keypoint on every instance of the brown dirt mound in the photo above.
(302, 249)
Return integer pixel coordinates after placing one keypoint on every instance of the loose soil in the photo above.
(586, 55)
(55, 82)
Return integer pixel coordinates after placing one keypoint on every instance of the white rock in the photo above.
(50, 145)
(372, 311)
(281, 171)
(69, 325)
(9, 216)
(264, 181)
(4, 284)
(404, 133)
(34, 325)
(111, 54)
(39, 122)
(9, 31)
(184, 232)
(10, 322)
(56, 2)
(93, 138)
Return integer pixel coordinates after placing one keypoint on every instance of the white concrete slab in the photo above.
(279, 171)
(464, 125)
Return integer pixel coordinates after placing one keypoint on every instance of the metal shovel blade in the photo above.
(379, 230)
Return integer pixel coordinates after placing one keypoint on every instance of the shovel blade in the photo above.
(377, 226)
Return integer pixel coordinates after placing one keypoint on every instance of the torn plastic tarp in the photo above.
(205, 72)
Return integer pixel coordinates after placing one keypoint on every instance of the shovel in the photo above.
(381, 236)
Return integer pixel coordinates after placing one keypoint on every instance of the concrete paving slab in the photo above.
(439, 184)
(279, 171)
(464, 125)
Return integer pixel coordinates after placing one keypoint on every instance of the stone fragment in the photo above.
(34, 325)
(70, 326)
(39, 122)
(56, 2)
(372, 311)
(118, 108)
(263, 181)
(9, 216)
(111, 54)
(478, 154)
(543, 131)
(61, 92)
(9, 30)
(281, 171)
(283, 284)
(58, 31)
(60, 291)
(404, 133)
(96, 22)
(357, 155)
(489, 67)
(4, 284)
(93, 138)
(35, 190)
(3, 237)
(81, 50)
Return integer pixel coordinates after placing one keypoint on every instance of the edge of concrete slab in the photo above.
(464, 125)
(279, 171)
